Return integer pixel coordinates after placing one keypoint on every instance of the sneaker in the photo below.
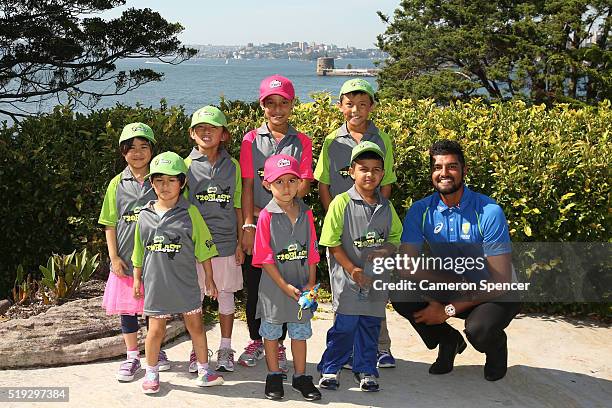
(128, 369)
(252, 352)
(282, 358)
(367, 382)
(329, 381)
(163, 364)
(349, 364)
(304, 384)
(193, 360)
(274, 387)
(208, 378)
(225, 360)
(385, 359)
(150, 384)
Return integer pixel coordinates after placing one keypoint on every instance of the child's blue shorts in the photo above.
(296, 331)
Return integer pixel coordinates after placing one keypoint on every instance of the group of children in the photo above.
(179, 229)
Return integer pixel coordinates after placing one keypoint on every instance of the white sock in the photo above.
(202, 367)
(132, 354)
(226, 343)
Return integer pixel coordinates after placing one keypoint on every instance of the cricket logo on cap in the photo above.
(283, 163)
(205, 113)
(139, 128)
(275, 84)
(164, 161)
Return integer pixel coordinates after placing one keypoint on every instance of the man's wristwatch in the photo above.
(450, 310)
(245, 226)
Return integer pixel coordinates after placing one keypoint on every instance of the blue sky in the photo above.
(237, 22)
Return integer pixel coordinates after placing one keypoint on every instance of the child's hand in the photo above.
(292, 291)
(136, 288)
(118, 266)
(358, 276)
(211, 288)
(248, 238)
(239, 255)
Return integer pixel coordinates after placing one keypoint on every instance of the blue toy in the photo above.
(308, 300)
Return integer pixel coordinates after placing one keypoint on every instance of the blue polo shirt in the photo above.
(476, 227)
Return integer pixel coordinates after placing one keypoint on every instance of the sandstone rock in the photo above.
(4, 306)
(75, 332)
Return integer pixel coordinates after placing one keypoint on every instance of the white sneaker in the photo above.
(225, 360)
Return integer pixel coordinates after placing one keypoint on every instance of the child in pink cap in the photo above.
(274, 136)
(286, 248)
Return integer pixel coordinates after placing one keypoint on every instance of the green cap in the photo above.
(210, 115)
(366, 147)
(354, 85)
(168, 163)
(136, 129)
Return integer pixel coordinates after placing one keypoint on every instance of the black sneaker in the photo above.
(446, 354)
(274, 387)
(304, 384)
(367, 382)
(497, 362)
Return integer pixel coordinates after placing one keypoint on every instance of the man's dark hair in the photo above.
(369, 155)
(358, 93)
(126, 145)
(181, 178)
(446, 147)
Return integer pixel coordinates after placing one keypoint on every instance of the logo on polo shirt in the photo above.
(167, 245)
(465, 229)
(209, 243)
(370, 240)
(131, 215)
(293, 252)
(438, 228)
(275, 84)
(344, 172)
(215, 195)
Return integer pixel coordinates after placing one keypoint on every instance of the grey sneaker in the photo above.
(252, 352)
(128, 369)
(225, 360)
(162, 361)
(367, 382)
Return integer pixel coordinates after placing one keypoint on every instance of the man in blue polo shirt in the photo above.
(456, 222)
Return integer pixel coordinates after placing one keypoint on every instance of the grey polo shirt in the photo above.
(335, 158)
(259, 144)
(216, 190)
(350, 223)
(292, 248)
(124, 199)
(167, 248)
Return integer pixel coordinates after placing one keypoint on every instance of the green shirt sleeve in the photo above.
(138, 254)
(204, 246)
(108, 214)
(321, 172)
(389, 177)
(396, 227)
(334, 221)
(238, 191)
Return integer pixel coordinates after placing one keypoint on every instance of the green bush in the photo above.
(548, 168)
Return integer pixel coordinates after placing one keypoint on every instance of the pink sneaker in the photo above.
(253, 351)
(208, 378)
(150, 384)
(193, 362)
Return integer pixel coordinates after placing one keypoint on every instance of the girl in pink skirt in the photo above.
(126, 194)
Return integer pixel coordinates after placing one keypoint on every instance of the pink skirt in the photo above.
(119, 296)
(226, 274)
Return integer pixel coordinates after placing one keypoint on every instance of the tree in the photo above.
(539, 50)
(54, 48)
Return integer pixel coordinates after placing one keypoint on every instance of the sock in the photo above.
(202, 367)
(226, 343)
(154, 369)
(275, 372)
(296, 375)
(132, 354)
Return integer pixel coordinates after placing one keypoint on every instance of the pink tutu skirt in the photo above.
(119, 296)
(226, 274)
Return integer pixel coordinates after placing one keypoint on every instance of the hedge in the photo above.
(548, 168)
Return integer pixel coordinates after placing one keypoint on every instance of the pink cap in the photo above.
(276, 85)
(279, 165)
